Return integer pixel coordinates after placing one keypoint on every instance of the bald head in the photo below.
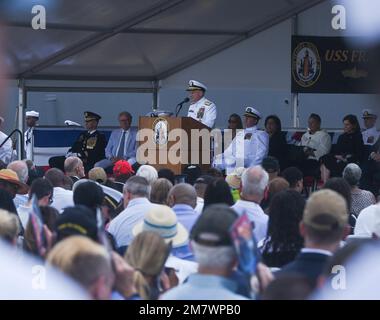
(254, 182)
(183, 193)
(21, 169)
(55, 177)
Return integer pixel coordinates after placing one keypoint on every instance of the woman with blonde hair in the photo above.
(147, 254)
(160, 191)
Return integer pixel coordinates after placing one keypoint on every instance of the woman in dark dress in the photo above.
(278, 147)
(349, 149)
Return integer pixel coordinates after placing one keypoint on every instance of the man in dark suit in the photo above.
(324, 225)
(89, 146)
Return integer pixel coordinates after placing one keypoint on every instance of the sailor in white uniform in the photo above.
(249, 147)
(31, 121)
(7, 154)
(370, 134)
(201, 109)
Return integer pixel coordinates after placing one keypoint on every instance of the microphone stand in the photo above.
(179, 107)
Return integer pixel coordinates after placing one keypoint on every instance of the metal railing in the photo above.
(21, 141)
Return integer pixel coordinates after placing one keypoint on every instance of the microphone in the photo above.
(179, 105)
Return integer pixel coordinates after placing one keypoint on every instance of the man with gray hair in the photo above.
(360, 199)
(216, 256)
(21, 170)
(254, 184)
(183, 200)
(136, 194)
(74, 168)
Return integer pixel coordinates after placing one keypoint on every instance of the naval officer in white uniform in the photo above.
(201, 109)
(370, 134)
(31, 121)
(249, 147)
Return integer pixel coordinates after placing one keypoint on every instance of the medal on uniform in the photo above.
(91, 142)
(201, 113)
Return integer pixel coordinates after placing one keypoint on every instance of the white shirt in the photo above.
(320, 140)
(370, 136)
(183, 268)
(368, 222)
(23, 213)
(121, 227)
(256, 215)
(249, 148)
(62, 198)
(203, 111)
(6, 151)
(20, 200)
(200, 204)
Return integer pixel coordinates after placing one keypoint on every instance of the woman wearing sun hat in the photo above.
(10, 182)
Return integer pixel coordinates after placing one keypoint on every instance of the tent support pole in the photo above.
(156, 88)
(294, 98)
(21, 116)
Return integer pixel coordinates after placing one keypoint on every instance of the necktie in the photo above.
(28, 136)
(120, 152)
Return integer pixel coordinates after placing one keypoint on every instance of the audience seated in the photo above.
(275, 186)
(9, 227)
(136, 204)
(294, 177)
(283, 241)
(21, 169)
(324, 224)
(216, 256)
(182, 199)
(147, 254)
(360, 199)
(160, 191)
(218, 191)
(62, 198)
(148, 172)
(164, 221)
(200, 186)
(254, 182)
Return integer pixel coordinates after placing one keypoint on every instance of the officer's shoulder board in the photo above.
(208, 103)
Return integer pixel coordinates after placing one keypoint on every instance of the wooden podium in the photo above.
(173, 143)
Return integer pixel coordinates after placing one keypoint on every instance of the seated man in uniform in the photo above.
(89, 146)
(248, 148)
(122, 144)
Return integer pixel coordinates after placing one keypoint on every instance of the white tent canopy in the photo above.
(132, 40)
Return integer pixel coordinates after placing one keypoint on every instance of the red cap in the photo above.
(122, 167)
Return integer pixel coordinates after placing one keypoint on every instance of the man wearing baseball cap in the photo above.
(201, 109)
(216, 256)
(249, 146)
(31, 118)
(323, 226)
(370, 134)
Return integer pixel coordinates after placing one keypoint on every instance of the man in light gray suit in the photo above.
(122, 144)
